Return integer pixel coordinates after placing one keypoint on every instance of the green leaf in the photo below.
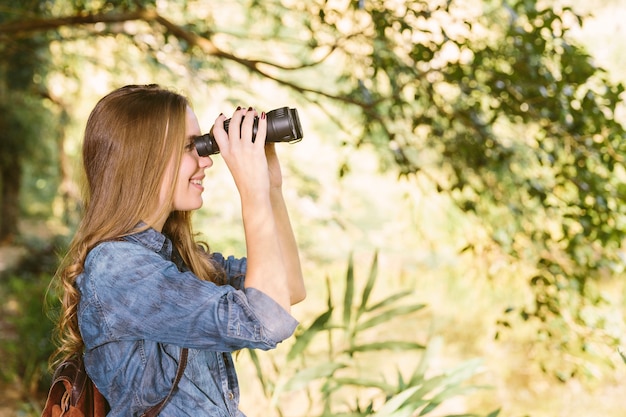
(349, 293)
(448, 384)
(389, 300)
(361, 382)
(368, 286)
(432, 348)
(465, 371)
(398, 345)
(304, 377)
(395, 403)
(427, 386)
(303, 340)
(443, 396)
(389, 315)
(259, 372)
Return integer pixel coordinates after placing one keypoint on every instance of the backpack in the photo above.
(73, 393)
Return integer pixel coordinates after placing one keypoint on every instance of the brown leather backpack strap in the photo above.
(73, 393)
(182, 363)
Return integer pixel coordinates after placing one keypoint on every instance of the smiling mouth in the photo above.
(197, 183)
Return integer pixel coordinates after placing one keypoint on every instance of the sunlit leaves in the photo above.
(331, 355)
(490, 100)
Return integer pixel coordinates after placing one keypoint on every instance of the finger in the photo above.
(262, 129)
(219, 134)
(234, 129)
(247, 126)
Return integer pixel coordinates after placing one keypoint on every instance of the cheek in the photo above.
(188, 167)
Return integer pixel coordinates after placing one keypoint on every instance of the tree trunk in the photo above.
(10, 181)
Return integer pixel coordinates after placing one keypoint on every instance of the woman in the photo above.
(137, 288)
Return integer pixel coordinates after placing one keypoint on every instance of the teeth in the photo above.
(197, 182)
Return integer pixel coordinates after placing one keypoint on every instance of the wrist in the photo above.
(276, 188)
(276, 193)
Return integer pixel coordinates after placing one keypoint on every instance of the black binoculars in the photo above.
(283, 125)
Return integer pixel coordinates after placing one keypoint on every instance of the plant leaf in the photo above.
(389, 315)
(392, 345)
(445, 395)
(360, 382)
(304, 377)
(369, 285)
(395, 403)
(349, 293)
(259, 372)
(303, 340)
(448, 384)
(389, 300)
(434, 345)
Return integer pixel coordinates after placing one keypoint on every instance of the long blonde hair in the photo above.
(131, 136)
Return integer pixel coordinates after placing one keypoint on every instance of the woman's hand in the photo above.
(258, 179)
(245, 159)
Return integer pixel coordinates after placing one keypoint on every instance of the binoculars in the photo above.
(283, 125)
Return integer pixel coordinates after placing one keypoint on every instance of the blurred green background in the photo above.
(458, 195)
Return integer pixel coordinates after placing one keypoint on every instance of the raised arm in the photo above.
(270, 244)
(286, 238)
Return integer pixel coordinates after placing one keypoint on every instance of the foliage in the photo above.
(24, 121)
(26, 325)
(523, 126)
(331, 357)
(490, 101)
(26, 344)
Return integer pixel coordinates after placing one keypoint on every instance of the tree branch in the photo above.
(22, 28)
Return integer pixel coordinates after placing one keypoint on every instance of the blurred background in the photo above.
(458, 196)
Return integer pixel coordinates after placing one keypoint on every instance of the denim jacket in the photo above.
(138, 309)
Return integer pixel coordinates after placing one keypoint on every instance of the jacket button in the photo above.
(231, 396)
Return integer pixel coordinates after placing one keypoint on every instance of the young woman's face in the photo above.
(188, 188)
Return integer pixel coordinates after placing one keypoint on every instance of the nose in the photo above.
(205, 161)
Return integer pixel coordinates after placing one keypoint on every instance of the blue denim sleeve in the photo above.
(129, 292)
(235, 268)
